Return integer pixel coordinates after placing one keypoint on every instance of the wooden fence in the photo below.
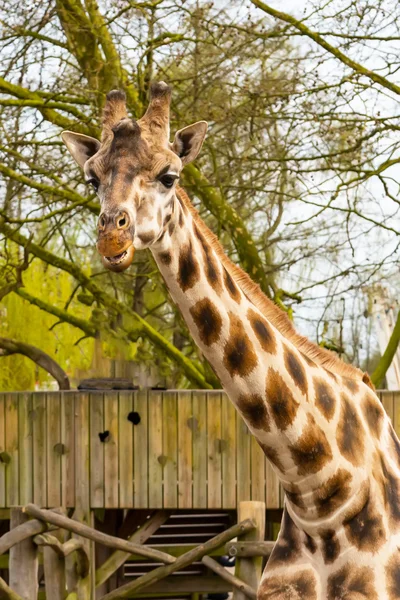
(189, 449)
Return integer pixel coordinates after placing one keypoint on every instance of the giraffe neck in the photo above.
(306, 419)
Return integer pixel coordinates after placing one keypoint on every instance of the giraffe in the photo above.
(316, 418)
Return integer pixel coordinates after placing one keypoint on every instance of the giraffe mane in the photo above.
(271, 311)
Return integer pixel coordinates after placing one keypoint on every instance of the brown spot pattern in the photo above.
(263, 331)
(239, 355)
(351, 384)
(254, 410)
(312, 451)
(231, 287)
(324, 398)
(352, 581)
(294, 495)
(165, 257)
(295, 369)
(333, 493)
(287, 548)
(373, 413)
(272, 456)
(208, 321)
(310, 544)
(211, 266)
(391, 490)
(301, 585)
(350, 433)
(282, 404)
(189, 272)
(392, 571)
(365, 530)
(330, 546)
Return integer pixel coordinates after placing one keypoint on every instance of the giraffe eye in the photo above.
(167, 180)
(95, 183)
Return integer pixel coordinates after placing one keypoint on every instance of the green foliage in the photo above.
(22, 321)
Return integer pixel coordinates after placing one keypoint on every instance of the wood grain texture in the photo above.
(125, 450)
(185, 456)
(170, 449)
(111, 475)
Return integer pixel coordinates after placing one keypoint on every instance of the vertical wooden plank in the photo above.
(83, 484)
(23, 562)
(54, 570)
(387, 401)
(249, 569)
(170, 449)
(3, 450)
(199, 429)
(111, 491)
(257, 472)
(141, 452)
(185, 458)
(243, 446)
(214, 459)
(125, 449)
(25, 447)
(68, 449)
(12, 450)
(228, 449)
(273, 496)
(39, 443)
(396, 412)
(53, 449)
(96, 403)
(155, 450)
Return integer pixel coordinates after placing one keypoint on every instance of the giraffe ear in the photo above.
(189, 140)
(82, 147)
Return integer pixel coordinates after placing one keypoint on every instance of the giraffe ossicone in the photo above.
(317, 419)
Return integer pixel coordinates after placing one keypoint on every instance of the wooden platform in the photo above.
(189, 451)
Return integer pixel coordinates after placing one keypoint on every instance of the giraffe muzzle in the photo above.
(114, 241)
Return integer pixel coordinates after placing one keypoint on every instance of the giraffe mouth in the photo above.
(119, 262)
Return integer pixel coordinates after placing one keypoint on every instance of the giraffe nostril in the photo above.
(122, 221)
(102, 221)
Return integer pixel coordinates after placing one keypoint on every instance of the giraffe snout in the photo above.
(115, 240)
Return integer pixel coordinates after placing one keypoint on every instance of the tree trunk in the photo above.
(42, 359)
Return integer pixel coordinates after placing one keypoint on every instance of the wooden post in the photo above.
(54, 570)
(23, 562)
(249, 569)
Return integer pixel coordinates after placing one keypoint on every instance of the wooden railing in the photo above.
(61, 538)
(189, 450)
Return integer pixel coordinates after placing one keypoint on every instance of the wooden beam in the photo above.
(172, 550)
(21, 533)
(23, 563)
(64, 550)
(184, 584)
(118, 558)
(96, 536)
(249, 549)
(222, 572)
(54, 565)
(7, 593)
(183, 561)
(248, 569)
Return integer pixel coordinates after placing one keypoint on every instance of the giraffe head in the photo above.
(134, 169)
